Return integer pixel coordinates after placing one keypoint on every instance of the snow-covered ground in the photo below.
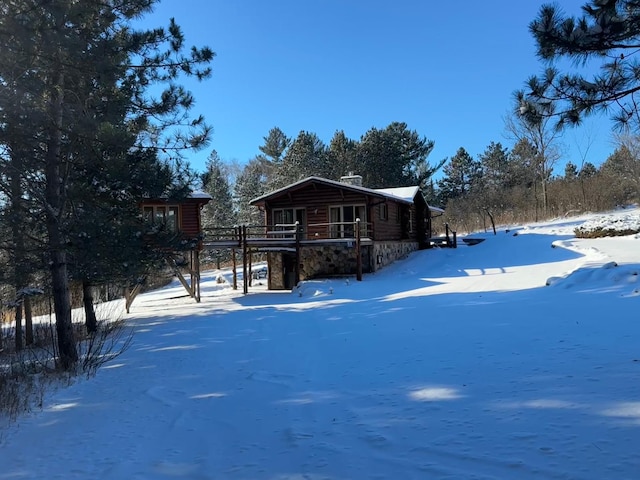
(517, 358)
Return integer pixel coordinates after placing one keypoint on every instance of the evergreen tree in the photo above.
(251, 183)
(460, 175)
(523, 164)
(608, 31)
(395, 156)
(275, 144)
(491, 186)
(341, 156)
(494, 162)
(219, 212)
(306, 156)
(87, 80)
(623, 165)
(588, 170)
(570, 171)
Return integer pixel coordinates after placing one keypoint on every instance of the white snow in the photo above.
(450, 364)
(405, 193)
(200, 194)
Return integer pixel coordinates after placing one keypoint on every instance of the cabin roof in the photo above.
(196, 196)
(401, 194)
(437, 210)
(200, 195)
(405, 193)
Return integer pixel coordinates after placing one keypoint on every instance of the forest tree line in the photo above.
(503, 185)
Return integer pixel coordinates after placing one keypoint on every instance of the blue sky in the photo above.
(447, 69)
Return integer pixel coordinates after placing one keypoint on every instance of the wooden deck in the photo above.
(273, 237)
(448, 240)
(286, 238)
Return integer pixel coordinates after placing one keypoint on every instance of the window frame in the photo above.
(298, 214)
(383, 212)
(342, 230)
(160, 214)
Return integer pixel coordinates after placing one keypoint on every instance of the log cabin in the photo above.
(183, 217)
(341, 228)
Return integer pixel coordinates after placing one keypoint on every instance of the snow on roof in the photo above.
(405, 193)
(200, 194)
(402, 193)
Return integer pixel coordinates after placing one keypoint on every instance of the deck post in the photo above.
(358, 256)
(250, 267)
(297, 267)
(245, 280)
(234, 269)
(195, 273)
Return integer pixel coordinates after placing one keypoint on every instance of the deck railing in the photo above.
(231, 236)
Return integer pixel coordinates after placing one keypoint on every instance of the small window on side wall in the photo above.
(384, 211)
(172, 219)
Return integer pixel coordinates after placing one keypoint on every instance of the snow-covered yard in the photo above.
(517, 358)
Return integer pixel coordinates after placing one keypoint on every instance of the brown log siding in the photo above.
(189, 222)
(190, 219)
(317, 198)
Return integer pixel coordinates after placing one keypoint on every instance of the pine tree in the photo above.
(608, 32)
(394, 157)
(341, 156)
(86, 78)
(588, 170)
(251, 183)
(570, 171)
(460, 175)
(219, 212)
(523, 164)
(623, 165)
(494, 162)
(306, 156)
(275, 145)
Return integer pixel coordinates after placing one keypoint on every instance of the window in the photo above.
(342, 220)
(285, 218)
(384, 211)
(162, 215)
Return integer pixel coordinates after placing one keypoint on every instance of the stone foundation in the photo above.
(275, 273)
(387, 253)
(326, 261)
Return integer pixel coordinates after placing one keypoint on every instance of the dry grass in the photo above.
(27, 375)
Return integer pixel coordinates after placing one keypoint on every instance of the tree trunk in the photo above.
(28, 321)
(17, 217)
(89, 313)
(493, 223)
(19, 326)
(545, 213)
(54, 211)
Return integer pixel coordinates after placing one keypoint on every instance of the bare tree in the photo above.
(538, 129)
